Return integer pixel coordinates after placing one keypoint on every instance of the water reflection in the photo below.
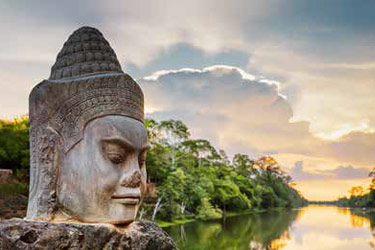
(262, 231)
(313, 227)
(368, 219)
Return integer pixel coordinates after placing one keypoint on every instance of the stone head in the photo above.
(88, 142)
(103, 177)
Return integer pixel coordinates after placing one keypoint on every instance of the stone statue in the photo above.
(88, 147)
(88, 143)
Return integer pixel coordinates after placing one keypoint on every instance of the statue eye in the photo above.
(116, 157)
(115, 152)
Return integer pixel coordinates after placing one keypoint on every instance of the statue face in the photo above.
(103, 177)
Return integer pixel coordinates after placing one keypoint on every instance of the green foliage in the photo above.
(250, 231)
(371, 198)
(13, 188)
(13, 199)
(206, 210)
(172, 192)
(358, 197)
(14, 143)
(193, 179)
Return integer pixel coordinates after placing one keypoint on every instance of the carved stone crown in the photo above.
(85, 52)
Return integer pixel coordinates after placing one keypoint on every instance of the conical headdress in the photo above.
(85, 52)
(86, 82)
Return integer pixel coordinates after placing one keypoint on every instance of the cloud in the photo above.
(322, 53)
(356, 146)
(349, 172)
(233, 105)
(328, 184)
(298, 173)
(185, 55)
(244, 113)
(335, 98)
(318, 50)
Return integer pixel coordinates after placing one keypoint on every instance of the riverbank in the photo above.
(226, 215)
(286, 228)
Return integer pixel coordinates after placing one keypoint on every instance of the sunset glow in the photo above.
(294, 80)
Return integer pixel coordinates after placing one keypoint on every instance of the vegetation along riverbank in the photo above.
(360, 197)
(188, 178)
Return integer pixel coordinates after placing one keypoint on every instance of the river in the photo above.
(309, 228)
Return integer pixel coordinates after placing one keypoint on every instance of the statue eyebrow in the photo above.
(125, 143)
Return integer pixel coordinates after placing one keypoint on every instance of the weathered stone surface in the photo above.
(88, 149)
(22, 234)
(88, 142)
(85, 52)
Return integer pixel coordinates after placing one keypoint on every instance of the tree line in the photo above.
(359, 196)
(192, 178)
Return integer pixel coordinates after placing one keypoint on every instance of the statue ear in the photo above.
(56, 156)
(46, 145)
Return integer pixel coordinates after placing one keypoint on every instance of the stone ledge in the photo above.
(139, 235)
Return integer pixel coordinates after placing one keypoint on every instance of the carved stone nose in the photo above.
(132, 181)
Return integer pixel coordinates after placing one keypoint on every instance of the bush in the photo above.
(206, 210)
(12, 189)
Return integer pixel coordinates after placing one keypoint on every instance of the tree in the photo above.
(14, 144)
(171, 134)
(372, 176)
(151, 126)
(271, 170)
(200, 149)
(172, 192)
(244, 164)
(371, 198)
(356, 191)
(192, 178)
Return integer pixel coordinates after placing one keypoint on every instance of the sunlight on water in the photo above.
(324, 227)
(309, 228)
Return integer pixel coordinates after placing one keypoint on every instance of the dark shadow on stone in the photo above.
(29, 237)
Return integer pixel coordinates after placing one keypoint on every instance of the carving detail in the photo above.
(85, 52)
(86, 83)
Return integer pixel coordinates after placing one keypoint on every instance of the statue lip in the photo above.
(130, 199)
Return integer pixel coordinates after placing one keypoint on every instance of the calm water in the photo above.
(309, 228)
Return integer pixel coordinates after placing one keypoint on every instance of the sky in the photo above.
(292, 79)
